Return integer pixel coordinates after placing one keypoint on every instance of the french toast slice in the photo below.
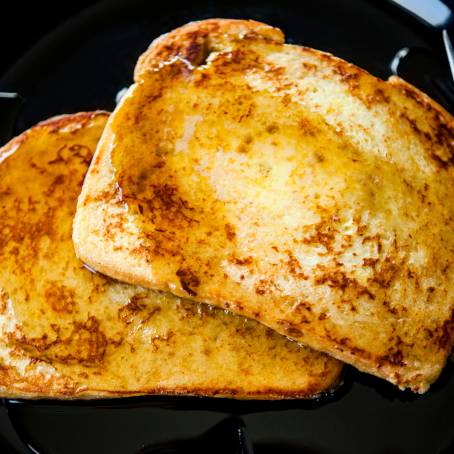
(287, 185)
(67, 332)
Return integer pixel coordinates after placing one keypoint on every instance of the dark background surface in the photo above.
(23, 23)
(98, 51)
(82, 68)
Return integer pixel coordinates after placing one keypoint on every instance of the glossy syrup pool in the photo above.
(82, 68)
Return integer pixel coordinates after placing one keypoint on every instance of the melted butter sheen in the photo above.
(214, 154)
(302, 192)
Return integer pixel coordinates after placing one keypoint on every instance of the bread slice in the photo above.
(287, 185)
(67, 332)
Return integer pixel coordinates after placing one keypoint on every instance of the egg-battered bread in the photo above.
(287, 185)
(66, 332)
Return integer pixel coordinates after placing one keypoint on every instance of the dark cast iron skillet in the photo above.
(82, 65)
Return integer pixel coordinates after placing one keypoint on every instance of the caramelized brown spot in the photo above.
(262, 287)
(60, 298)
(67, 153)
(197, 50)
(378, 96)
(290, 329)
(189, 281)
(272, 128)
(294, 266)
(85, 344)
(386, 272)
(323, 233)
(246, 261)
(17, 228)
(3, 301)
(336, 278)
(395, 358)
(310, 67)
(307, 126)
(369, 262)
(347, 75)
(137, 308)
(230, 232)
(445, 332)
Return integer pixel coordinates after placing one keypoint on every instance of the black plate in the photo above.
(82, 66)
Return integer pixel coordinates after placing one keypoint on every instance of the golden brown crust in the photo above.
(69, 333)
(421, 98)
(193, 42)
(287, 185)
(443, 122)
(74, 121)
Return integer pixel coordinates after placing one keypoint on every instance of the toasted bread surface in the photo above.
(287, 185)
(66, 332)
